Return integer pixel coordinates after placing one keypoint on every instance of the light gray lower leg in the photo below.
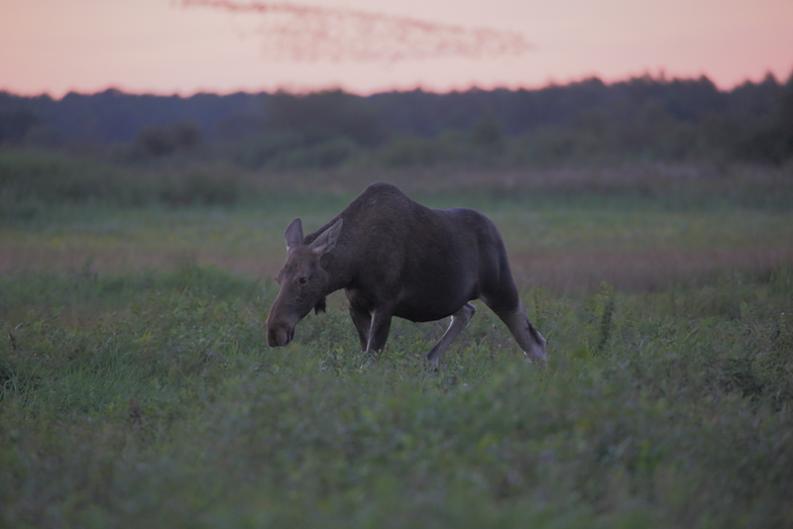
(458, 322)
(530, 340)
(378, 330)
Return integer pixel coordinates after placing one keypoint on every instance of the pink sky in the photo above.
(158, 46)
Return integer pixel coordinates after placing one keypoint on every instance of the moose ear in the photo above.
(294, 234)
(326, 240)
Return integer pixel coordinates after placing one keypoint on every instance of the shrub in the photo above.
(166, 140)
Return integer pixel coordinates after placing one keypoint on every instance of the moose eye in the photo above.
(302, 280)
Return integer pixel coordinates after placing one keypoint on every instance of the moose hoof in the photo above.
(433, 364)
(536, 357)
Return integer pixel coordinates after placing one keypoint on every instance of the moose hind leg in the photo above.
(530, 340)
(458, 322)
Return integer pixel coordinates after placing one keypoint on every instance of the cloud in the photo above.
(307, 33)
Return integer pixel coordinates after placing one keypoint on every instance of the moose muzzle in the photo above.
(279, 334)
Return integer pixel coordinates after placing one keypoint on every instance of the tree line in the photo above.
(639, 118)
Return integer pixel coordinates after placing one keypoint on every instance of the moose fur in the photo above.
(396, 257)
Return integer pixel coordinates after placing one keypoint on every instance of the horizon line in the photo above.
(296, 90)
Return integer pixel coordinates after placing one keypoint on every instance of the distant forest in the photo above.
(643, 118)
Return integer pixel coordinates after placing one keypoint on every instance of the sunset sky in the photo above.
(166, 46)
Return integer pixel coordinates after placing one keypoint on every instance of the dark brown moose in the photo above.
(395, 257)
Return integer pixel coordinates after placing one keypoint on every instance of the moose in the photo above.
(396, 257)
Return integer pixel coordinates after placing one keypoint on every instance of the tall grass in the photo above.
(150, 400)
(31, 179)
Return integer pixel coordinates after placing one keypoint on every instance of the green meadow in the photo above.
(137, 390)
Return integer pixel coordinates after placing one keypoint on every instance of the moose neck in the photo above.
(340, 263)
(340, 270)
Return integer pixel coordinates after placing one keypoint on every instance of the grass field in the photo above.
(136, 389)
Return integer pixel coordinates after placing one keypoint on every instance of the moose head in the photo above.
(303, 282)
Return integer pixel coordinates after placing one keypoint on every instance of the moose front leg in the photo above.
(362, 321)
(378, 330)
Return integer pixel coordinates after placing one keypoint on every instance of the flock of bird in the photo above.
(310, 33)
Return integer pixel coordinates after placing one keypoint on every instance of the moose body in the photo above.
(396, 257)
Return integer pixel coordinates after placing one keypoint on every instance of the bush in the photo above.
(164, 141)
